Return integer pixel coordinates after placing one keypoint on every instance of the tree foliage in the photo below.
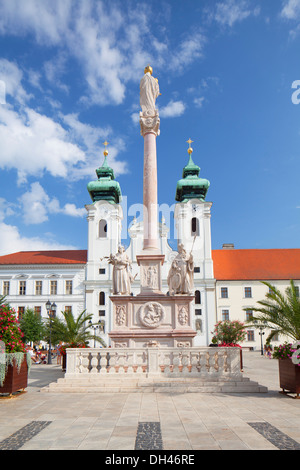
(280, 312)
(73, 330)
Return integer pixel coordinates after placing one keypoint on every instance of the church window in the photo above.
(22, 288)
(102, 298)
(102, 228)
(224, 292)
(38, 287)
(21, 311)
(38, 311)
(250, 335)
(197, 297)
(195, 227)
(69, 287)
(53, 287)
(248, 292)
(6, 288)
(249, 314)
(225, 315)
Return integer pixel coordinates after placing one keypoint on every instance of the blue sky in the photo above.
(69, 76)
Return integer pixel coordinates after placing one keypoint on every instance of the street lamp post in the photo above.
(261, 327)
(51, 311)
(95, 327)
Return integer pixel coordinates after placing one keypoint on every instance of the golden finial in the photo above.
(105, 153)
(190, 150)
(148, 69)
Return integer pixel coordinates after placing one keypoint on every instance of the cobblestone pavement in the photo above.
(149, 421)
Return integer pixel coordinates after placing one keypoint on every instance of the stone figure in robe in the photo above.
(149, 91)
(122, 277)
(181, 274)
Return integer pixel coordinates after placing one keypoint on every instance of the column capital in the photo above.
(150, 124)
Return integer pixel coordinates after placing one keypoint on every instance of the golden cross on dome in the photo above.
(105, 151)
(190, 150)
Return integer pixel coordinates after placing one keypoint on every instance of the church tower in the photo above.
(104, 237)
(192, 220)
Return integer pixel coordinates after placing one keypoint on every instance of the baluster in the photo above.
(207, 361)
(93, 363)
(216, 363)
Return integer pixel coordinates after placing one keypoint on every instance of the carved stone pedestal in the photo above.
(152, 321)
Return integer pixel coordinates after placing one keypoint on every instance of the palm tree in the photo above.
(74, 330)
(280, 312)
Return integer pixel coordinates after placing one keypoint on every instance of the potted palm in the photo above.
(15, 362)
(74, 332)
(281, 313)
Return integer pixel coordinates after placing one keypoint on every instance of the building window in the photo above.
(102, 271)
(224, 292)
(249, 314)
(38, 287)
(38, 311)
(69, 287)
(248, 292)
(102, 298)
(198, 311)
(225, 315)
(102, 228)
(6, 285)
(250, 335)
(101, 313)
(195, 227)
(196, 269)
(68, 308)
(21, 311)
(53, 287)
(22, 288)
(197, 297)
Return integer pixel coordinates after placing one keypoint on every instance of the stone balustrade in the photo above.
(157, 362)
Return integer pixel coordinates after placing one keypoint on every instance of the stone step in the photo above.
(156, 386)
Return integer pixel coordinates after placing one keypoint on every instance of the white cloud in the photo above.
(33, 143)
(12, 241)
(11, 76)
(37, 205)
(111, 45)
(229, 12)
(291, 9)
(199, 101)
(172, 109)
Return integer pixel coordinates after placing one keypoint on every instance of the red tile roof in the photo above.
(251, 264)
(45, 257)
(233, 264)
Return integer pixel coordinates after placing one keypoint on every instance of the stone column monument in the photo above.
(152, 318)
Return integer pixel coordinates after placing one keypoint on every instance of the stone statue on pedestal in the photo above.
(122, 277)
(149, 91)
(181, 274)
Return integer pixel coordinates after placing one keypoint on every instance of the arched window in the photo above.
(195, 227)
(197, 297)
(102, 228)
(102, 298)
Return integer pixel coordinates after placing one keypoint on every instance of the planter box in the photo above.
(15, 379)
(289, 376)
